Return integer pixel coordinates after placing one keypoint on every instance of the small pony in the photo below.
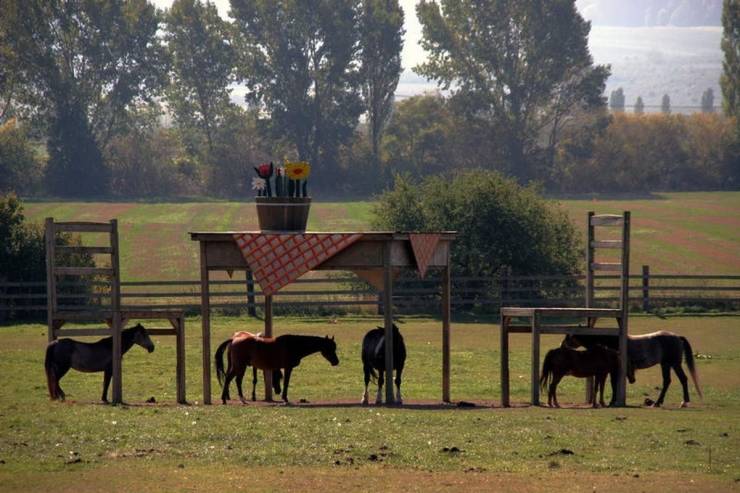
(373, 358)
(596, 362)
(63, 354)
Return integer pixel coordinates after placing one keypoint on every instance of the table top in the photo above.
(366, 235)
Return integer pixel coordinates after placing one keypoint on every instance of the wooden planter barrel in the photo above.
(283, 213)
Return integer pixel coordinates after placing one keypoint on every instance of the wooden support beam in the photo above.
(180, 364)
(504, 343)
(536, 359)
(205, 315)
(606, 220)
(388, 323)
(267, 375)
(446, 332)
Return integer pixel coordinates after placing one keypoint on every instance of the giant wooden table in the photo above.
(377, 252)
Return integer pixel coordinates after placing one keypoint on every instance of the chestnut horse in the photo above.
(269, 353)
(277, 375)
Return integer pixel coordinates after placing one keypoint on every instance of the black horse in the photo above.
(373, 358)
(644, 351)
(63, 354)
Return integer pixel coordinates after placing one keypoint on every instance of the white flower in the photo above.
(258, 183)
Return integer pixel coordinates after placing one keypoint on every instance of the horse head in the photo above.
(141, 337)
(329, 351)
(570, 342)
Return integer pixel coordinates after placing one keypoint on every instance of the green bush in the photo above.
(500, 224)
(23, 258)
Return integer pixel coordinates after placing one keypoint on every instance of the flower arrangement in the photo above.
(290, 180)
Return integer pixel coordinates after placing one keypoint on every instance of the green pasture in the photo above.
(687, 233)
(330, 442)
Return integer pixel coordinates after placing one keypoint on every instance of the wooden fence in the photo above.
(329, 295)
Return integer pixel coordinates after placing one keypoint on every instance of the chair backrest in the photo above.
(55, 269)
(622, 268)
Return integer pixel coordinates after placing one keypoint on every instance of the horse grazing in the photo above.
(373, 358)
(63, 354)
(597, 362)
(277, 375)
(644, 351)
(270, 353)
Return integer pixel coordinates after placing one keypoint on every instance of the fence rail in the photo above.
(648, 291)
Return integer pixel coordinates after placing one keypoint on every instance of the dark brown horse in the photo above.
(270, 353)
(597, 362)
(63, 354)
(646, 350)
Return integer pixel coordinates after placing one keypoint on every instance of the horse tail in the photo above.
(49, 367)
(219, 359)
(546, 370)
(689, 353)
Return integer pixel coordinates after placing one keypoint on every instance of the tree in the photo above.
(639, 106)
(707, 101)
(522, 65)
(665, 104)
(381, 42)
(616, 100)
(82, 65)
(299, 62)
(500, 224)
(20, 168)
(730, 79)
(202, 66)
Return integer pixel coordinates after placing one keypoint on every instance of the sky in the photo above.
(645, 61)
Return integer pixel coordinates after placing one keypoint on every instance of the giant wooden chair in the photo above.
(540, 320)
(61, 309)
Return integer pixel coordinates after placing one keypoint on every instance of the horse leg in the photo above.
(254, 383)
(554, 389)
(399, 400)
(288, 371)
(599, 382)
(239, 379)
(59, 372)
(107, 374)
(684, 383)
(365, 396)
(381, 379)
(666, 383)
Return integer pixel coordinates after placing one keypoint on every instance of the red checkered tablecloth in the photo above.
(279, 259)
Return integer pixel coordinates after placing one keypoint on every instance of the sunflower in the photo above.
(298, 171)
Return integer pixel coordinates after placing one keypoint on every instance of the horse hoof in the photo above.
(363, 402)
(399, 402)
(684, 404)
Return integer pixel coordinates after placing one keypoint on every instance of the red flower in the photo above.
(264, 170)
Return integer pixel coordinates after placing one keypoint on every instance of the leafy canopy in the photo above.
(499, 223)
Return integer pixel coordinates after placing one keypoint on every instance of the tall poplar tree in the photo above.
(299, 61)
(202, 66)
(381, 42)
(522, 65)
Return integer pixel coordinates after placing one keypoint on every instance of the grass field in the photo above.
(331, 443)
(687, 233)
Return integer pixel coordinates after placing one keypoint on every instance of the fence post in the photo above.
(251, 308)
(645, 288)
(380, 303)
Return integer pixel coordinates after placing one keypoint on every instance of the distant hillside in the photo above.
(638, 13)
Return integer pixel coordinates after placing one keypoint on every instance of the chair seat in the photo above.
(560, 312)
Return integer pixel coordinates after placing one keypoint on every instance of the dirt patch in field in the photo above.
(135, 475)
